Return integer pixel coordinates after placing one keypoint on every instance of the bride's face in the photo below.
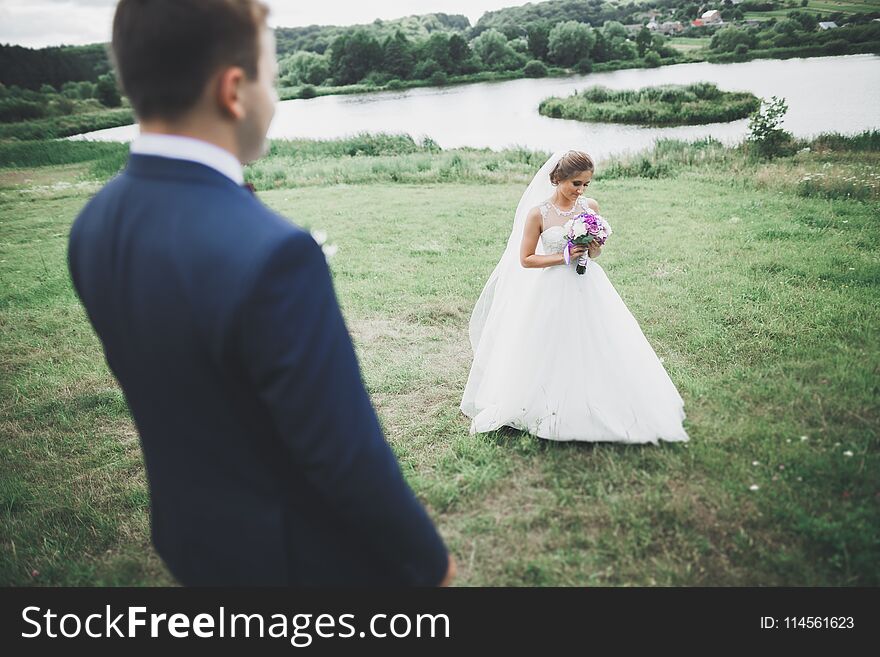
(572, 188)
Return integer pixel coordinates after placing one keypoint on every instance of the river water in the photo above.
(824, 94)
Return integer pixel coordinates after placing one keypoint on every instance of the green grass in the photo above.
(823, 7)
(760, 294)
(690, 44)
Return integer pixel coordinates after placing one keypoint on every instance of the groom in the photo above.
(265, 460)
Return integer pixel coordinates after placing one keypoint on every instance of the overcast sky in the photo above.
(38, 23)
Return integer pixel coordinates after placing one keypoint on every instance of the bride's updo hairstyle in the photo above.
(571, 163)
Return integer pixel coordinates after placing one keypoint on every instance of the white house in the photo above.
(711, 16)
(827, 25)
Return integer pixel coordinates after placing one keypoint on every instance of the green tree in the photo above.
(495, 53)
(70, 90)
(353, 56)
(436, 47)
(305, 68)
(643, 41)
(459, 53)
(728, 38)
(618, 44)
(397, 55)
(614, 30)
(600, 51)
(570, 42)
(107, 92)
(765, 128)
(539, 40)
(86, 89)
(807, 21)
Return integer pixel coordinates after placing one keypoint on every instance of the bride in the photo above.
(558, 354)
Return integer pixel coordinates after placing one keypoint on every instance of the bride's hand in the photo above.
(594, 249)
(577, 250)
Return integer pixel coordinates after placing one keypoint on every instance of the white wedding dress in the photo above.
(559, 355)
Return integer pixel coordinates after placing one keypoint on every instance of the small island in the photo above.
(665, 105)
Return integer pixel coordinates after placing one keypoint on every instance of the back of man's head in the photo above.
(166, 51)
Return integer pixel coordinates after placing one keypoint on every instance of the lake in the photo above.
(824, 94)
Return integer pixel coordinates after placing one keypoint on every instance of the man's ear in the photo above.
(229, 89)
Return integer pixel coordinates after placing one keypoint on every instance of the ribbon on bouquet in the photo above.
(567, 252)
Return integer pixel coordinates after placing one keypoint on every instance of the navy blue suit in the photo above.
(265, 459)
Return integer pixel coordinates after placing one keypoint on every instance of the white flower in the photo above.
(804, 439)
(847, 453)
(755, 463)
(329, 250)
(320, 236)
(754, 487)
(579, 229)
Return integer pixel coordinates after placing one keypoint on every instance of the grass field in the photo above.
(822, 7)
(756, 282)
(690, 44)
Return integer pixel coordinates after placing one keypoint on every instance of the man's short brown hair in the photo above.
(165, 51)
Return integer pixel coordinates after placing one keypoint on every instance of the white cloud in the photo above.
(38, 23)
(55, 22)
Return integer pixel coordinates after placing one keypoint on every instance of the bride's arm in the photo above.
(594, 248)
(531, 235)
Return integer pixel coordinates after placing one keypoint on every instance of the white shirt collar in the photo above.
(194, 150)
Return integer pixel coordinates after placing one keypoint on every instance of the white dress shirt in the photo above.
(193, 150)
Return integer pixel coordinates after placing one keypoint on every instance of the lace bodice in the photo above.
(554, 240)
(553, 237)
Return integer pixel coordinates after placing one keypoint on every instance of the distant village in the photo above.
(709, 18)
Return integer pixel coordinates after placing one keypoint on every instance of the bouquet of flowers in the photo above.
(583, 229)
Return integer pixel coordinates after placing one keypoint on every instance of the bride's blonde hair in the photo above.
(571, 163)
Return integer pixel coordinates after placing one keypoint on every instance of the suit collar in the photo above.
(152, 166)
(179, 147)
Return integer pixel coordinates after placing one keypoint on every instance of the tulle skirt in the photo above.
(570, 362)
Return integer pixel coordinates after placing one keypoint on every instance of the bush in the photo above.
(16, 109)
(394, 83)
(65, 126)
(438, 78)
(425, 69)
(765, 129)
(741, 49)
(584, 66)
(535, 69)
(308, 91)
(837, 47)
(107, 92)
(377, 78)
(652, 59)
